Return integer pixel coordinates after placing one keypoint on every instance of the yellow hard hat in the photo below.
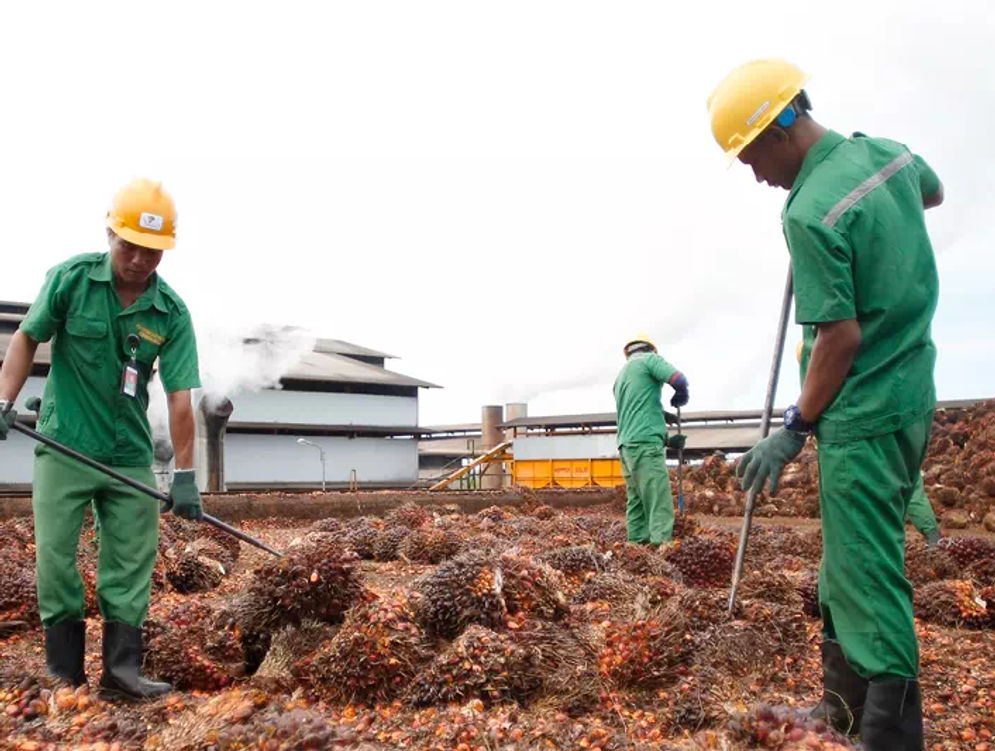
(749, 99)
(641, 338)
(144, 214)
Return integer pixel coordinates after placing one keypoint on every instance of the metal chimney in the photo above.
(212, 418)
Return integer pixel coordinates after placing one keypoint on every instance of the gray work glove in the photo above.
(767, 459)
(185, 496)
(7, 416)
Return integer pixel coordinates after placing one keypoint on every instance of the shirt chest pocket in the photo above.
(87, 339)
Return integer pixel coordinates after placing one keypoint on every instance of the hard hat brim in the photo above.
(144, 239)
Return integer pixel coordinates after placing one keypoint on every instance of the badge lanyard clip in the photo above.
(129, 376)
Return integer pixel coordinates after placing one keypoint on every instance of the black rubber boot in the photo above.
(844, 692)
(893, 716)
(122, 676)
(65, 646)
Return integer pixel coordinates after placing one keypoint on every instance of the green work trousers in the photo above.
(865, 488)
(921, 512)
(649, 508)
(128, 539)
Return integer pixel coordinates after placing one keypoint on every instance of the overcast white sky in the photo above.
(498, 193)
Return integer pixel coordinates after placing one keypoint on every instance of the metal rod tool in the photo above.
(163, 498)
(775, 372)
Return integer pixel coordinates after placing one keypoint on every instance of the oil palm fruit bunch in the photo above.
(372, 657)
(533, 587)
(431, 545)
(388, 541)
(408, 515)
(463, 590)
(704, 561)
(953, 603)
(481, 664)
(648, 652)
(184, 647)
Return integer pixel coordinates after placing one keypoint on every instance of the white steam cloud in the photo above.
(235, 361)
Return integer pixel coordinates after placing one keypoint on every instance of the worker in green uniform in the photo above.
(110, 318)
(920, 511)
(865, 279)
(642, 436)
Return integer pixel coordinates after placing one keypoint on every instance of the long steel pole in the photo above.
(139, 486)
(775, 372)
(680, 468)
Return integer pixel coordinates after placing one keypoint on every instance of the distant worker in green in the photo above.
(865, 281)
(642, 438)
(110, 319)
(920, 511)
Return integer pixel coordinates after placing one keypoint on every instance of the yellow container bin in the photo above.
(567, 473)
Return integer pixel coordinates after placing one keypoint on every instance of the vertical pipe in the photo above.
(775, 372)
(492, 415)
(513, 411)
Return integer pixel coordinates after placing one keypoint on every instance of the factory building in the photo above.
(337, 415)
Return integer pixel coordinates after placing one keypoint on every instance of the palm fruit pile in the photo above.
(954, 603)
(576, 559)
(924, 564)
(408, 515)
(641, 560)
(644, 653)
(187, 572)
(959, 470)
(704, 561)
(480, 664)
(430, 545)
(18, 602)
(787, 729)
(566, 663)
(184, 646)
(463, 590)
(361, 535)
(967, 549)
(329, 525)
(387, 542)
(808, 589)
(771, 585)
(543, 512)
(310, 582)
(494, 514)
(982, 571)
(278, 729)
(373, 656)
(532, 587)
(616, 589)
(222, 547)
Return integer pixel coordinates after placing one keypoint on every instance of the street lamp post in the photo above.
(321, 451)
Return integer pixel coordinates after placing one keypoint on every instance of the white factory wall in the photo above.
(591, 446)
(17, 452)
(321, 408)
(257, 458)
(16, 459)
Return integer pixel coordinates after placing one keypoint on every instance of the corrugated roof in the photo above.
(339, 347)
(321, 366)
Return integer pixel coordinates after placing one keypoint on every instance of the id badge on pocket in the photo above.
(129, 379)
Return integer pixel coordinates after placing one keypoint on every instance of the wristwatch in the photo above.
(793, 420)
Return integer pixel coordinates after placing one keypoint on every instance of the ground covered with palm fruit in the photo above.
(513, 628)
(958, 476)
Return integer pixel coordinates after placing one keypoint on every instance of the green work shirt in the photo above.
(637, 399)
(854, 225)
(83, 406)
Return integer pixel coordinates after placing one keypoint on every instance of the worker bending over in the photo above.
(109, 317)
(642, 436)
(865, 282)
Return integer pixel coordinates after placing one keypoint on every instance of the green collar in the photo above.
(815, 156)
(151, 297)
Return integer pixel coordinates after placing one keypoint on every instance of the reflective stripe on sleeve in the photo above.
(866, 187)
